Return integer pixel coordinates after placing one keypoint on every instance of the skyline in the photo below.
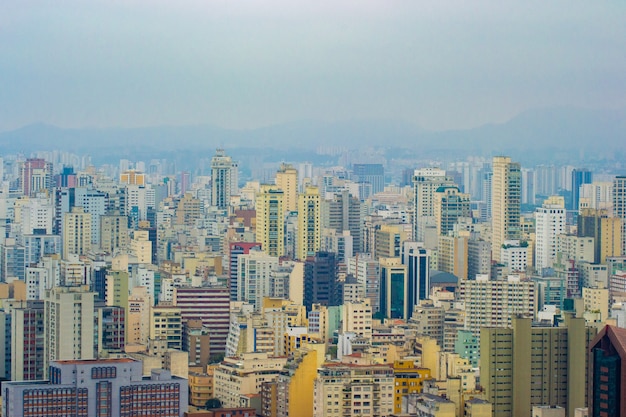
(435, 65)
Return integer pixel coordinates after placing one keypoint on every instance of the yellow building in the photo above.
(409, 379)
(287, 180)
(596, 300)
(200, 388)
(189, 210)
(428, 351)
(388, 240)
(309, 223)
(132, 177)
(477, 407)
(270, 220)
(453, 255)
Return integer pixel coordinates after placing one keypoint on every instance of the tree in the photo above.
(213, 403)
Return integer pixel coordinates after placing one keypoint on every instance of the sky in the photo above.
(245, 64)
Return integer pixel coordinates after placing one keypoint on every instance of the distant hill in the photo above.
(550, 128)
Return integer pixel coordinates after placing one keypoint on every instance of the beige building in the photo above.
(342, 390)
(245, 375)
(557, 375)
(166, 324)
(141, 246)
(114, 233)
(505, 203)
(453, 255)
(287, 180)
(76, 232)
(596, 300)
(309, 223)
(357, 318)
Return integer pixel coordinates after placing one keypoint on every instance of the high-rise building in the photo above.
(549, 223)
(607, 386)
(426, 181)
(68, 324)
(270, 220)
(366, 271)
(394, 300)
(287, 180)
(224, 179)
(417, 260)
(253, 277)
(114, 233)
(320, 281)
(523, 366)
(606, 231)
(478, 258)
(211, 305)
(102, 387)
(449, 205)
(492, 303)
(579, 177)
(35, 176)
(235, 250)
(619, 205)
(452, 255)
(309, 223)
(506, 203)
(373, 174)
(342, 213)
(76, 232)
(27, 342)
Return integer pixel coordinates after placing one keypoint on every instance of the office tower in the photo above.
(394, 301)
(478, 258)
(320, 281)
(36, 246)
(619, 206)
(270, 220)
(35, 176)
(114, 235)
(352, 382)
(606, 231)
(528, 186)
(287, 180)
(68, 324)
(366, 270)
(76, 232)
(491, 303)
(344, 212)
(235, 250)
(373, 174)
(309, 223)
(579, 177)
(253, 277)
(524, 366)
(417, 260)
(487, 195)
(505, 208)
(607, 368)
(449, 205)
(27, 342)
(426, 181)
(549, 223)
(106, 387)
(211, 305)
(66, 179)
(224, 179)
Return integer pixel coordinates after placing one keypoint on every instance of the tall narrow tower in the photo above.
(223, 179)
(287, 180)
(425, 183)
(270, 220)
(619, 205)
(309, 223)
(505, 203)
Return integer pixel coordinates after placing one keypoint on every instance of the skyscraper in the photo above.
(550, 222)
(607, 387)
(224, 178)
(394, 300)
(270, 220)
(425, 183)
(373, 174)
(506, 201)
(309, 223)
(619, 205)
(579, 177)
(287, 180)
(35, 176)
(341, 213)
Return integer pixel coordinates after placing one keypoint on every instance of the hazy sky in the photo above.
(235, 63)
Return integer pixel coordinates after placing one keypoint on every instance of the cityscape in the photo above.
(312, 209)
